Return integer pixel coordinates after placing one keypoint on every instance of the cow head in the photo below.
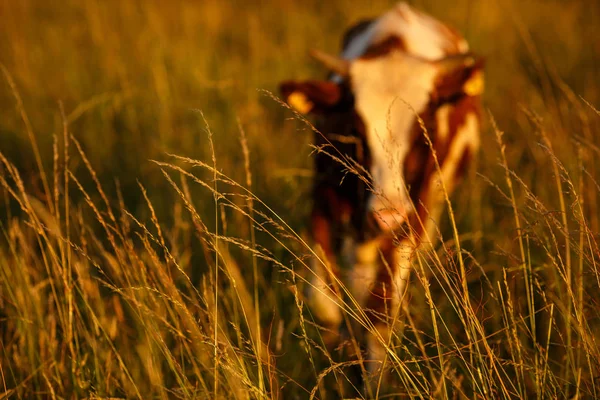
(392, 71)
(375, 102)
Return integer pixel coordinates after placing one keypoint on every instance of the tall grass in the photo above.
(153, 250)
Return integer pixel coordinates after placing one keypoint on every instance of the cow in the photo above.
(397, 122)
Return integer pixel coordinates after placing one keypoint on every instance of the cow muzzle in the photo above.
(391, 216)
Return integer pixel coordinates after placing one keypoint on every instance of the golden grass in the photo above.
(126, 271)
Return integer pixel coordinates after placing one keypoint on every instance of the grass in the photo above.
(154, 202)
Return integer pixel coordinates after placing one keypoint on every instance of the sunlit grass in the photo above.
(155, 198)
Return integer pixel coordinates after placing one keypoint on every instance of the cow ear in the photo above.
(310, 96)
(474, 84)
(459, 75)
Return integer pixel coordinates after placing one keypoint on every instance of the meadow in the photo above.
(154, 199)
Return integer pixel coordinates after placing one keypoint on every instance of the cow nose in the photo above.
(390, 215)
(390, 219)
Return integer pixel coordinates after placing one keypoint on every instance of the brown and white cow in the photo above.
(378, 190)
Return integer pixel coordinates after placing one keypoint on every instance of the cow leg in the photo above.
(323, 299)
(393, 295)
(363, 272)
(361, 262)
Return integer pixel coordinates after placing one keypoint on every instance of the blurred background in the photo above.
(133, 74)
(136, 81)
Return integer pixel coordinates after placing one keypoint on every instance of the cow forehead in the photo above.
(422, 35)
(388, 92)
(394, 75)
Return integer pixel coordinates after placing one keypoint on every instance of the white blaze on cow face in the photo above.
(388, 91)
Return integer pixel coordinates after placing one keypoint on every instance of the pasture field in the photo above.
(154, 198)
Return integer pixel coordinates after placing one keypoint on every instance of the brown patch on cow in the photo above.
(341, 187)
(321, 232)
(458, 115)
(461, 107)
(418, 163)
(384, 47)
(417, 166)
(339, 207)
(463, 164)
